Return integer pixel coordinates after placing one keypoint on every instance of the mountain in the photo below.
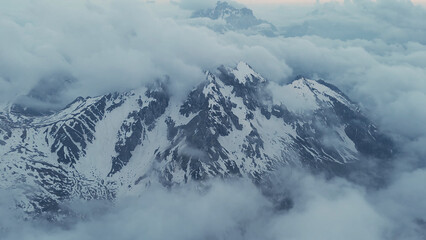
(235, 123)
(236, 19)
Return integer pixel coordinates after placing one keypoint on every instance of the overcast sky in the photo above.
(300, 1)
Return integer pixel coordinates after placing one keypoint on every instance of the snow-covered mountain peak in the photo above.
(244, 73)
(223, 10)
(305, 95)
(234, 123)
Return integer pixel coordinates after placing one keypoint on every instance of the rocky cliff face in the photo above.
(235, 123)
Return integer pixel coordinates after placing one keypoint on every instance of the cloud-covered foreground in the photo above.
(322, 209)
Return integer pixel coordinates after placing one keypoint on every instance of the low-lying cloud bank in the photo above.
(373, 51)
(236, 209)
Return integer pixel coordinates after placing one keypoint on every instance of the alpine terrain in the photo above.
(234, 124)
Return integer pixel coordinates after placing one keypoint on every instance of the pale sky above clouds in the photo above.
(301, 1)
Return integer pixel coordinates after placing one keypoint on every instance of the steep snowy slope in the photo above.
(235, 123)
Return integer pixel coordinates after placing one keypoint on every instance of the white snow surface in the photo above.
(305, 95)
(244, 73)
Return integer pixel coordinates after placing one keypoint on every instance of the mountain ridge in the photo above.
(235, 123)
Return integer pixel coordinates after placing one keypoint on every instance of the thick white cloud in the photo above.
(323, 209)
(110, 46)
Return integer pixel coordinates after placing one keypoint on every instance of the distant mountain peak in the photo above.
(236, 18)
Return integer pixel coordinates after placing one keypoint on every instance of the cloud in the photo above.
(196, 5)
(402, 204)
(363, 48)
(108, 47)
(236, 209)
(183, 213)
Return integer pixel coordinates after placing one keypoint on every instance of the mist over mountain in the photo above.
(234, 124)
(212, 120)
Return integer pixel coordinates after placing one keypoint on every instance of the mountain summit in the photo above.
(236, 19)
(234, 123)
